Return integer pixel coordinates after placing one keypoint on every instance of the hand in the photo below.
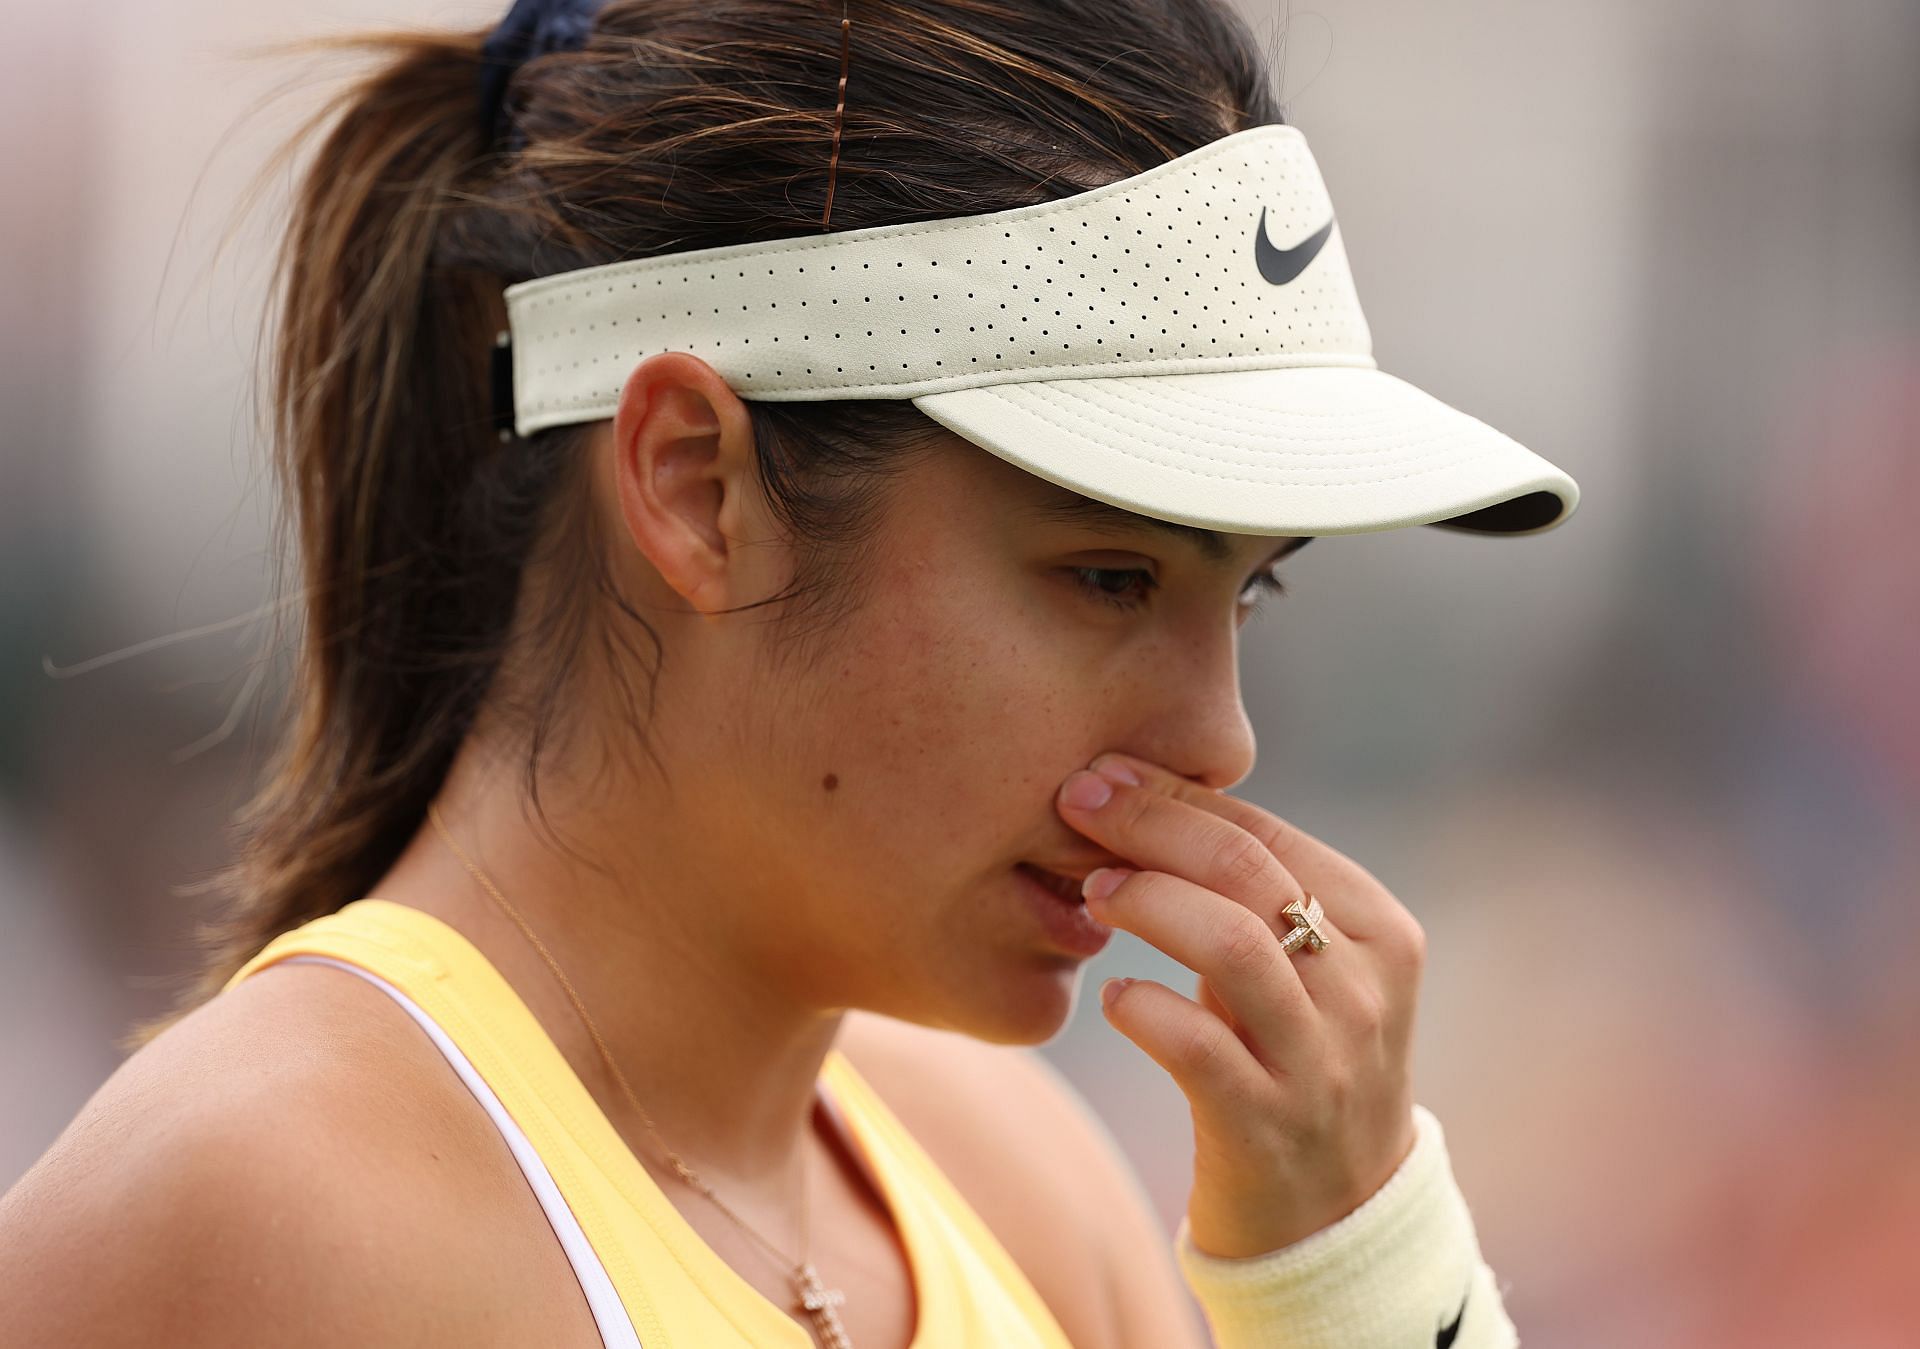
(1295, 1066)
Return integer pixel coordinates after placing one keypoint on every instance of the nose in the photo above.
(1194, 722)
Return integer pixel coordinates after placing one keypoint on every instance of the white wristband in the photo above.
(1403, 1269)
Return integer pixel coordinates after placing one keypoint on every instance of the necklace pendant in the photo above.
(819, 1300)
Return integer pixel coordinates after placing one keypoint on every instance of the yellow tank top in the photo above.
(648, 1276)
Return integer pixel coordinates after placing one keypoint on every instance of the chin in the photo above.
(1023, 1003)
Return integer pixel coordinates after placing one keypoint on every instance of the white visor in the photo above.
(1185, 343)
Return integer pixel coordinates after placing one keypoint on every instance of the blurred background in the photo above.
(1651, 780)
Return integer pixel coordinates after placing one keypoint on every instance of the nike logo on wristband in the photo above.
(1445, 1338)
(1281, 265)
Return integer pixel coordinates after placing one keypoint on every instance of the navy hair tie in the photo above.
(532, 28)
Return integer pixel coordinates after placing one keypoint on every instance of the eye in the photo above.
(1092, 581)
(1265, 583)
(1129, 587)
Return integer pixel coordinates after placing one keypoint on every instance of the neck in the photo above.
(720, 1051)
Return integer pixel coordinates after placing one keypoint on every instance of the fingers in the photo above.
(1283, 1057)
(1277, 1000)
(1199, 1050)
(1367, 911)
(1158, 832)
(1168, 825)
(1228, 944)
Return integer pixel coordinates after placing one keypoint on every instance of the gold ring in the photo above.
(1306, 930)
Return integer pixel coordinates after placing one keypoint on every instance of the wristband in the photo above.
(1403, 1269)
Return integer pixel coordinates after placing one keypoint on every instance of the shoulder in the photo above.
(1044, 1173)
(274, 1159)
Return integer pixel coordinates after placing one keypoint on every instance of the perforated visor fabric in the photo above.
(1186, 343)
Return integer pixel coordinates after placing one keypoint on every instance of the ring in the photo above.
(1306, 931)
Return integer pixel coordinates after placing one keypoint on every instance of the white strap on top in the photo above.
(609, 1313)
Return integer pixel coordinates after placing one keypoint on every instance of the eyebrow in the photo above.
(1214, 546)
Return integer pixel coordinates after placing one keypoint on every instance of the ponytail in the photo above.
(411, 520)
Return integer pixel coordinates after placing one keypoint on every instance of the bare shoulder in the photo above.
(283, 1156)
(1028, 1153)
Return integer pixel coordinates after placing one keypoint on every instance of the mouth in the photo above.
(1067, 887)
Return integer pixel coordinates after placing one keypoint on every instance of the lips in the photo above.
(1067, 887)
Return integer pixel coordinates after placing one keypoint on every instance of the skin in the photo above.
(1295, 1066)
(839, 829)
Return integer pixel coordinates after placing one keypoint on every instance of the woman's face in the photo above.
(869, 807)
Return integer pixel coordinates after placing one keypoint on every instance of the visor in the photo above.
(1185, 343)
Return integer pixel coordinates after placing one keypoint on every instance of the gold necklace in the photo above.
(813, 1296)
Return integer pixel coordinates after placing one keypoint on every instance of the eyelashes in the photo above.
(1266, 584)
(1088, 580)
(1140, 584)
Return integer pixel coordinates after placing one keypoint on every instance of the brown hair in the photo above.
(681, 124)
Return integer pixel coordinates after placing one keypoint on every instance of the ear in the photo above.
(684, 478)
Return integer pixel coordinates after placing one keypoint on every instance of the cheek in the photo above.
(948, 729)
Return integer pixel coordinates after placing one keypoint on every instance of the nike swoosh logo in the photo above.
(1444, 1339)
(1281, 265)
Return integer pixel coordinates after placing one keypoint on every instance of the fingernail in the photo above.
(1111, 990)
(1101, 882)
(1114, 770)
(1086, 791)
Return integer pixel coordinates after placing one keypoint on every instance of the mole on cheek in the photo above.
(830, 781)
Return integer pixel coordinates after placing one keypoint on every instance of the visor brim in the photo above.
(1286, 450)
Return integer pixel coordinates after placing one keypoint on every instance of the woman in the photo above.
(715, 757)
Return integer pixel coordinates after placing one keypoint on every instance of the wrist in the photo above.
(1396, 1270)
